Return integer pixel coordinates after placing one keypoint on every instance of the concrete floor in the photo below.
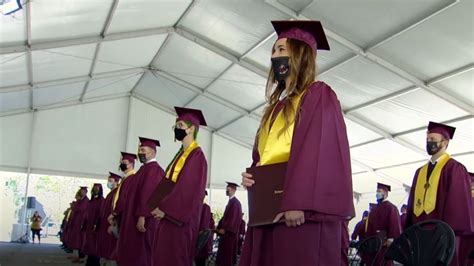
(14, 254)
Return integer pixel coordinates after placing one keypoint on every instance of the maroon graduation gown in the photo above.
(107, 242)
(467, 242)
(383, 217)
(242, 231)
(403, 220)
(175, 244)
(91, 224)
(67, 226)
(205, 223)
(133, 246)
(75, 228)
(228, 243)
(359, 231)
(318, 181)
(453, 202)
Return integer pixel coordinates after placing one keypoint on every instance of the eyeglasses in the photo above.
(179, 125)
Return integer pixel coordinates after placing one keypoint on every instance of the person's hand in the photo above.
(292, 218)
(221, 231)
(141, 224)
(111, 219)
(388, 242)
(110, 230)
(247, 180)
(157, 213)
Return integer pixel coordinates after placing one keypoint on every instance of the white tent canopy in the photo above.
(81, 80)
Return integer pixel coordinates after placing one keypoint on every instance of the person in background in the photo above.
(403, 216)
(36, 226)
(359, 229)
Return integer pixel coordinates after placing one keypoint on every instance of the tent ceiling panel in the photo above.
(163, 91)
(460, 86)
(360, 81)
(237, 25)
(216, 114)
(59, 63)
(56, 94)
(13, 29)
(128, 53)
(133, 15)
(463, 140)
(297, 5)
(190, 62)
(326, 59)
(67, 19)
(15, 140)
(442, 44)
(411, 110)
(358, 134)
(364, 182)
(14, 100)
(113, 85)
(82, 142)
(243, 129)
(262, 54)
(13, 69)
(384, 153)
(241, 86)
(367, 22)
(357, 169)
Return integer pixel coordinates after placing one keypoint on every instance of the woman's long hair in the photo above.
(302, 74)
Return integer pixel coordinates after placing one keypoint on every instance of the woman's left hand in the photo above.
(292, 218)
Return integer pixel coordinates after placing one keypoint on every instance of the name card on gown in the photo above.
(265, 196)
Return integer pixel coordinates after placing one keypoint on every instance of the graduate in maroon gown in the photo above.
(205, 223)
(242, 230)
(441, 188)
(403, 216)
(228, 229)
(107, 241)
(359, 229)
(76, 226)
(137, 226)
(303, 125)
(91, 224)
(467, 240)
(179, 212)
(383, 221)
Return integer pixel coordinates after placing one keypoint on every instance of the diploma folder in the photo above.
(265, 196)
(162, 190)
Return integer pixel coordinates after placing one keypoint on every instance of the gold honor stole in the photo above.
(117, 195)
(272, 146)
(426, 191)
(179, 162)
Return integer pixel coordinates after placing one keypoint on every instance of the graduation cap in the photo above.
(384, 187)
(192, 115)
(232, 185)
(128, 156)
(146, 142)
(99, 185)
(308, 31)
(114, 176)
(445, 130)
(83, 188)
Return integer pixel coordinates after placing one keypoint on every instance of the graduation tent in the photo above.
(86, 78)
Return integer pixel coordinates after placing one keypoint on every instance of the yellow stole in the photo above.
(117, 195)
(426, 191)
(179, 162)
(274, 147)
(68, 214)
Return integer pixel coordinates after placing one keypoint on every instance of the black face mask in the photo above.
(281, 67)
(432, 147)
(179, 134)
(123, 167)
(142, 157)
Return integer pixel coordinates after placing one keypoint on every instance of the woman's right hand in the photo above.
(247, 180)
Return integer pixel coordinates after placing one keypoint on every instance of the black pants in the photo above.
(36, 232)
(92, 261)
(200, 262)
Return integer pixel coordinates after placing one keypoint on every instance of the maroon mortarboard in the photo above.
(114, 176)
(83, 188)
(308, 31)
(152, 143)
(97, 185)
(128, 156)
(384, 187)
(233, 185)
(192, 115)
(445, 130)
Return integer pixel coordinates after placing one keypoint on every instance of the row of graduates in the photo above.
(125, 228)
(442, 189)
